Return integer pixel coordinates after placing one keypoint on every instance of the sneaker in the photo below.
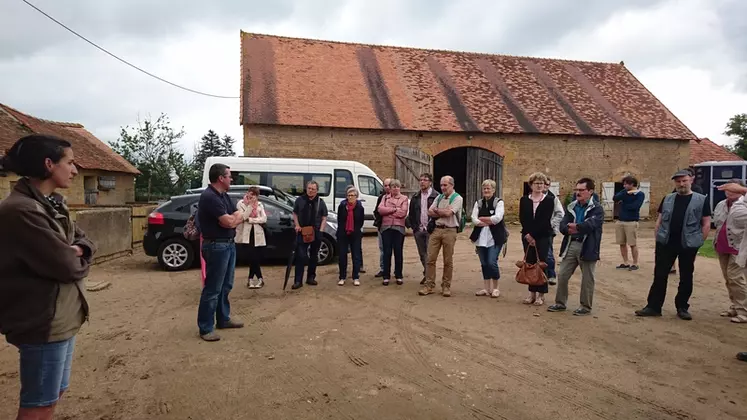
(311, 282)
(260, 283)
(210, 337)
(684, 315)
(297, 286)
(623, 267)
(552, 281)
(647, 312)
(379, 274)
(341, 282)
(446, 292)
(251, 284)
(356, 282)
(425, 290)
(400, 282)
(482, 292)
(634, 267)
(556, 308)
(230, 324)
(582, 311)
(385, 282)
(496, 293)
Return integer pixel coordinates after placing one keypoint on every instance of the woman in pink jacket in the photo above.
(393, 211)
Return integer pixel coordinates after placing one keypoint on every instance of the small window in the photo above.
(370, 186)
(245, 178)
(290, 183)
(343, 179)
(324, 181)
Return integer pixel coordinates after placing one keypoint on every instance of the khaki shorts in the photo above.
(626, 233)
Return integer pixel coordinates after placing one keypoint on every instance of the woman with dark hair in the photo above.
(45, 260)
(350, 218)
(536, 213)
(252, 233)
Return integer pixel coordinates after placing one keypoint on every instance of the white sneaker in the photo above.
(356, 282)
(496, 293)
(552, 281)
(481, 292)
(341, 283)
(260, 283)
(251, 284)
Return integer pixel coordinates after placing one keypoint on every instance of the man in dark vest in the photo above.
(681, 228)
(309, 211)
(417, 218)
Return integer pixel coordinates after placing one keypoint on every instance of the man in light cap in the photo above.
(681, 228)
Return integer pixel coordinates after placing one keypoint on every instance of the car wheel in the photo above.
(326, 251)
(176, 254)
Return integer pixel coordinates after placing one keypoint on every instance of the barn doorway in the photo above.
(469, 166)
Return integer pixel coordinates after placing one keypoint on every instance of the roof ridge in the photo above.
(435, 50)
(59, 123)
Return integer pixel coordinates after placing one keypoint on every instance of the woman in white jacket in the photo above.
(489, 236)
(252, 233)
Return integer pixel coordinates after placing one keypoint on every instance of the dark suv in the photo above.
(164, 237)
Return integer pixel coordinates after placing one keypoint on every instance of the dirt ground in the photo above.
(374, 352)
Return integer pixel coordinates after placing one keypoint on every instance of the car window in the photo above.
(370, 185)
(273, 211)
(343, 179)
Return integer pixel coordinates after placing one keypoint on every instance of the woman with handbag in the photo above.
(489, 235)
(393, 211)
(350, 217)
(535, 214)
(252, 233)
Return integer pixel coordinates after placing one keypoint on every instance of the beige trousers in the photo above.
(446, 238)
(736, 285)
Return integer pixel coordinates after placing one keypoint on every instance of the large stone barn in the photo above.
(402, 111)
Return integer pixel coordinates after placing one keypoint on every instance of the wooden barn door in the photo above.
(481, 165)
(409, 163)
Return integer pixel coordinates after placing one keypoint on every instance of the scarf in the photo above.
(253, 214)
(349, 222)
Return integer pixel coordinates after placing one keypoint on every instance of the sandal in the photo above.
(739, 319)
(539, 302)
(482, 292)
(730, 313)
(528, 301)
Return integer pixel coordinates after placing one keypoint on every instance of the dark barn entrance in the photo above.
(469, 166)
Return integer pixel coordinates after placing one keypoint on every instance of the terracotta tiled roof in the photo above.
(90, 152)
(301, 82)
(704, 150)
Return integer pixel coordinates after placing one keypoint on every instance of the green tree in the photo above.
(227, 143)
(737, 129)
(152, 148)
(210, 145)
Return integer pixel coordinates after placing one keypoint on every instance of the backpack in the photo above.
(191, 233)
(461, 215)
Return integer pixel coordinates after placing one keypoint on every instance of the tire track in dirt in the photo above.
(562, 378)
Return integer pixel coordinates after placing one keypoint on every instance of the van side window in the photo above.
(292, 184)
(343, 179)
(370, 185)
(324, 181)
(245, 178)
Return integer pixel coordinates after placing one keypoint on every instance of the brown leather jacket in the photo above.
(42, 295)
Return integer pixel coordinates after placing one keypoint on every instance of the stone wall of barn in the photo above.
(564, 158)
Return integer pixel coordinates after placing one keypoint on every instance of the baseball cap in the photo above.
(681, 173)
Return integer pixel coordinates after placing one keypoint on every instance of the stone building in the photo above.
(473, 116)
(105, 178)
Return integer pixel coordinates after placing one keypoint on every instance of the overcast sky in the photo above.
(692, 54)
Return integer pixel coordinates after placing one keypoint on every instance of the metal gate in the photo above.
(481, 165)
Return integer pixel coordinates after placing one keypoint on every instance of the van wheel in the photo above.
(176, 254)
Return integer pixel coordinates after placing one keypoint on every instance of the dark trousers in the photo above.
(551, 274)
(351, 242)
(220, 263)
(303, 252)
(393, 244)
(664, 261)
(255, 258)
(543, 249)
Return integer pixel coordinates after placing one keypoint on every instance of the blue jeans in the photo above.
(393, 243)
(352, 242)
(220, 263)
(45, 372)
(303, 251)
(551, 262)
(489, 261)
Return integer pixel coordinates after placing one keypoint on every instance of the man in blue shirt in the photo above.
(626, 228)
(217, 217)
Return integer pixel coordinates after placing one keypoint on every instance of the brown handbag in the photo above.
(531, 274)
(307, 234)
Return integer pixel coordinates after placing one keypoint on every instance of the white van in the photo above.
(291, 176)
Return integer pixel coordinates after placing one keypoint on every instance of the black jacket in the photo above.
(342, 219)
(413, 216)
(377, 216)
(538, 224)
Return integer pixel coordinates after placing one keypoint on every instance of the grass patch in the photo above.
(707, 249)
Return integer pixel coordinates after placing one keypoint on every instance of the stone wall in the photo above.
(109, 228)
(564, 158)
(123, 192)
